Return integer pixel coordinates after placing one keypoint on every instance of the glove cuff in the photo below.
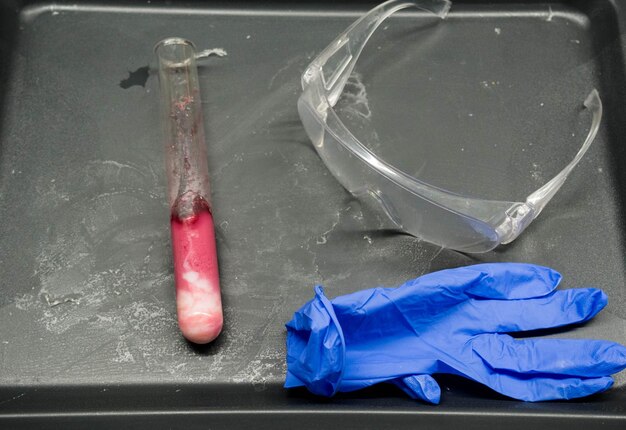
(316, 347)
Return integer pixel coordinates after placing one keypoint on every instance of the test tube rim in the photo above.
(174, 41)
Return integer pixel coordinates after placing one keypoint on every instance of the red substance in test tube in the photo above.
(198, 298)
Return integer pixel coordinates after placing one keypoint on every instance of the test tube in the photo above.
(198, 298)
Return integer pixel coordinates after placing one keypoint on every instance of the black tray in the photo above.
(88, 336)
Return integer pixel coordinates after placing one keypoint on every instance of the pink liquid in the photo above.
(198, 298)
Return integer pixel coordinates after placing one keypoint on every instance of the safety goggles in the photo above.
(431, 213)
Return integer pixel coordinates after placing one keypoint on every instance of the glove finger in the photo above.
(540, 388)
(384, 312)
(555, 310)
(513, 281)
(572, 357)
(420, 387)
(438, 290)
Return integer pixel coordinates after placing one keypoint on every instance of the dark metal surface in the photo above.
(87, 316)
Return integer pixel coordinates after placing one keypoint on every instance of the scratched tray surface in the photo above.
(85, 268)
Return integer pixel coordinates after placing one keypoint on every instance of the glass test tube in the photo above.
(198, 298)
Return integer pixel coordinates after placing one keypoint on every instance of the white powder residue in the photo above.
(535, 173)
(123, 353)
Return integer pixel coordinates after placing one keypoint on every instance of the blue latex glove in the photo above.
(451, 322)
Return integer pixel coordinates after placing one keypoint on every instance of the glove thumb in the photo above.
(420, 387)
